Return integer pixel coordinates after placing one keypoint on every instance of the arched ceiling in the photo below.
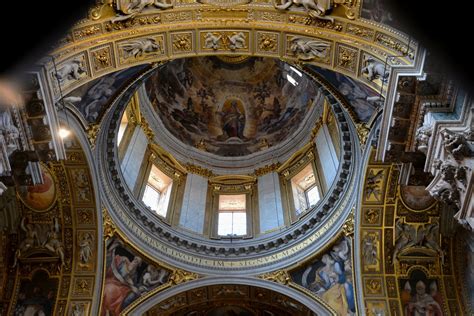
(229, 299)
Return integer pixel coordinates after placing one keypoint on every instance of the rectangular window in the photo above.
(158, 191)
(305, 189)
(232, 217)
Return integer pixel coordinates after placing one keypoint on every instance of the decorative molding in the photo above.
(109, 225)
(266, 169)
(349, 224)
(92, 133)
(181, 276)
(203, 172)
(280, 276)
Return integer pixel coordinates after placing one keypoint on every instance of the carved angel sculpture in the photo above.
(375, 70)
(456, 144)
(212, 41)
(423, 135)
(71, 70)
(139, 47)
(307, 49)
(129, 8)
(428, 237)
(237, 41)
(31, 239)
(53, 244)
(406, 237)
(315, 8)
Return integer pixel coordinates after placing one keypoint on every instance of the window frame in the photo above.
(307, 156)
(220, 211)
(231, 185)
(177, 188)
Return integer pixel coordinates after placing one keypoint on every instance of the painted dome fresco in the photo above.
(231, 107)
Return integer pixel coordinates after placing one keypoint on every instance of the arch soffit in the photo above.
(316, 306)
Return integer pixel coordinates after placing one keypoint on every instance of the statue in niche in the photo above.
(423, 135)
(233, 120)
(78, 310)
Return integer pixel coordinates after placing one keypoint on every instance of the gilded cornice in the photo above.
(97, 44)
(267, 169)
(279, 276)
(297, 160)
(203, 172)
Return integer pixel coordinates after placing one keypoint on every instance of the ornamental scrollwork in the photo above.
(181, 276)
(280, 276)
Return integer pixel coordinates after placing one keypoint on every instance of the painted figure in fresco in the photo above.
(120, 287)
(233, 121)
(331, 280)
(153, 276)
(422, 304)
(36, 305)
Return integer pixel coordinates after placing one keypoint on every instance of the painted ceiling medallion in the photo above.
(231, 106)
